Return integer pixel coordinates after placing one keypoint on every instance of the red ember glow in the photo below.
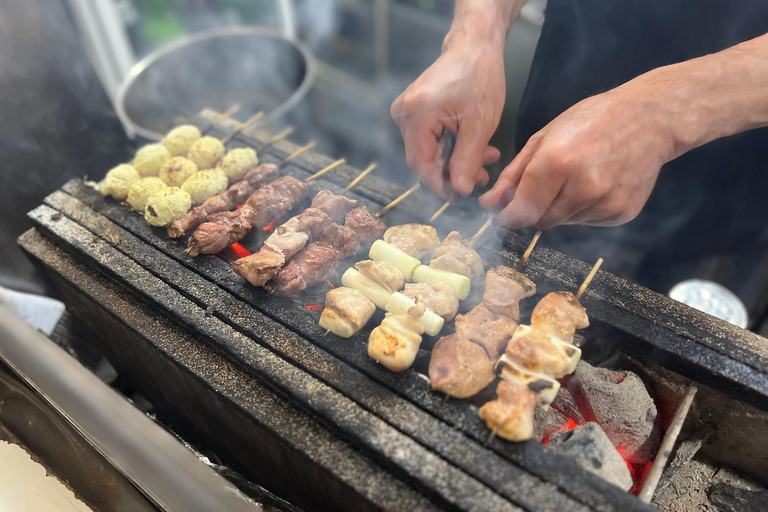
(314, 307)
(240, 206)
(241, 251)
(270, 227)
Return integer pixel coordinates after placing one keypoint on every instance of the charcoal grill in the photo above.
(311, 416)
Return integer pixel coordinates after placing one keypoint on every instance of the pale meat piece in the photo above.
(341, 238)
(259, 268)
(511, 415)
(562, 313)
(417, 240)
(309, 267)
(438, 297)
(459, 367)
(383, 273)
(296, 232)
(504, 288)
(335, 206)
(346, 311)
(224, 228)
(486, 328)
(455, 255)
(395, 343)
(368, 227)
(534, 350)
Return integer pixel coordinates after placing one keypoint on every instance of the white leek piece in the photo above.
(456, 282)
(382, 251)
(367, 286)
(401, 304)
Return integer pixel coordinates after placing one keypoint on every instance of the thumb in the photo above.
(467, 159)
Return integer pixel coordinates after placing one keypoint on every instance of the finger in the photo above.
(534, 195)
(483, 177)
(504, 188)
(471, 144)
(572, 200)
(491, 155)
(421, 152)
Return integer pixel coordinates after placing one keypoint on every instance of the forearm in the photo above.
(703, 99)
(486, 21)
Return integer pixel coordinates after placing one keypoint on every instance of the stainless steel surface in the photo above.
(168, 473)
(712, 298)
(256, 67)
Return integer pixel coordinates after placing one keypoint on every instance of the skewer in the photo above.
(398, 200)
(440, 211)
(283, 134)
(528, 251)
(357, 180)
(328, 169)
(216, 120)
(243, 126)
(588, 280)
(483, 228)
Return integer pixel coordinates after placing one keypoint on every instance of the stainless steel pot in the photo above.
(256, 67)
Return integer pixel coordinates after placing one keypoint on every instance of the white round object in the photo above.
(711, 298)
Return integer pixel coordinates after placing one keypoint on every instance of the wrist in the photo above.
(482, 22)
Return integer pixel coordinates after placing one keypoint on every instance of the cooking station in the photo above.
(314, 419)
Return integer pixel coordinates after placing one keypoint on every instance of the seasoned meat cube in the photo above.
(395, 342)
(367, 226)
(274, 200)
(335, 206)
(437, 297)
(459, 367)
(313, 265)
(346, 311)
(341, 238)
(417, 240)
(490, 330)
(511, 416)
(259, 268)
(313, 221)
(455, 255)
(385, 274)
(223, 229)
(561, 312)
(538, 350)
(504, 288)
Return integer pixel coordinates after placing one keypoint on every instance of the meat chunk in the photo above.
(459, 367)
(511, 415)
(383, 273)
(562, 313)
(438, 297)
(367, 226)
(395, 342)
(341, 238)
(312, 221)
(346, 311)
(260, 267)
(296, 232)
(311, 266)
(224, 228)
(504, 288)
(274, 200)
(486, 328)
(334, 205)
(417, 240)
(455, 255)
(539, 351)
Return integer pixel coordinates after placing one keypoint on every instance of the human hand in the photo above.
(462, 92)
(595, 164)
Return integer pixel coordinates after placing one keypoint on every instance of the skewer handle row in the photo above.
(528, 251)
(398, 200)
(337, 163)
(588, 279)
(362, 175)
(243, 126)
(440, 211)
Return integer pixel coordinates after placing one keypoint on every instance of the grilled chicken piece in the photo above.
(259, 268)
(487, 329)
(511, 415)
(396, 341)
(341, 238)
(438, 297)
(459, 367)
(227, 200)
(540, 351)
(368, 227)
(417, 240)
(455, 255)
(383, 273)
(310, 266)
(562, 313)
(346, 311)
(504, 288)
(223, 229)
(334, 205)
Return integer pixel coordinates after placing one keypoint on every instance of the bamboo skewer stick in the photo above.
(528, 251)
(243, 126)
(398, 200)
(224, 115)
(483, 229)
(588, 279)
(440, 211)
(357, 180)
(328, 169)
(283, 134)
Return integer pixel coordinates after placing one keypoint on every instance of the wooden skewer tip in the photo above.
(589, 278)
(360, 177)
(398, 200)
(337, 163)
(440, 211)
(528, 251)
(483, 229)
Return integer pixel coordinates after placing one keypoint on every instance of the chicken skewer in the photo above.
(290, 238)
(536, 355)
(235, 195)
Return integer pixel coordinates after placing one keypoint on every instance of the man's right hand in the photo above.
(462, 92)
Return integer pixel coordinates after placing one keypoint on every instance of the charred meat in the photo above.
(341, 238)
(367, 226)
(310, 266)
(336, 206)
(504, 288)
(511, 415)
